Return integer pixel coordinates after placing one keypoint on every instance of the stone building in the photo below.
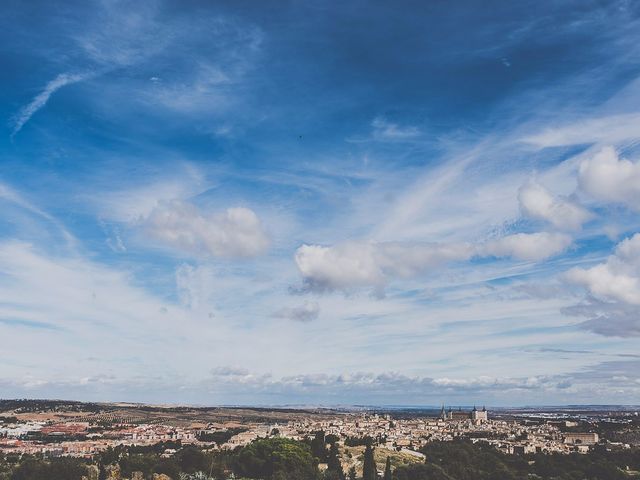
(476, 416)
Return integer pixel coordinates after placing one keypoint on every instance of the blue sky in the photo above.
(310, 203)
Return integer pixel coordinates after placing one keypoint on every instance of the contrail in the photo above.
(40, 100)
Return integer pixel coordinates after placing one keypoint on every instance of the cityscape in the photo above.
(91, 432)
(319, 240)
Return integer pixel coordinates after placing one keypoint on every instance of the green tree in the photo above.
(318, 448)
(422, 471)
(369, 470)
(168, 466)
(387, 469)
(334, 467)
(331, 438)
(191, 460)
(56, 469)
(276, 459)
(135, 462)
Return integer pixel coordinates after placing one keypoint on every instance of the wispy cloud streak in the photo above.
(40, 100)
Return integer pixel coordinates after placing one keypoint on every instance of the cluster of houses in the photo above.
(409, 435)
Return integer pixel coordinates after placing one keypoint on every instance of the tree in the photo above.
(369, 470)
(331, 438)
(276, 458)
(387, 469)
(191, 460)
(334, 467)
(423, 471)
(55, 469)
(318, 448)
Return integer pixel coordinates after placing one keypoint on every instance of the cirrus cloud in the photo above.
(527, 246)
(40, 100)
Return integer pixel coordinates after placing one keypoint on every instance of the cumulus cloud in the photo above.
(367, 385)
(609, 178)
(343, 266)
(369, 264)
(359, 264)
(616, 279)
(527, 246)
(236, 384)
(614, 288)
(236, 232)
(539, 203)
(42, 98)
(306, 312)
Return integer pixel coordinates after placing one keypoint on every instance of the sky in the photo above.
(320, 203)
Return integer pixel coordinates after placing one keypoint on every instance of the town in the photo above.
(84, 434)
(135, 441)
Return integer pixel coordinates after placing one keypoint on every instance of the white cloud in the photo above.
(42, 98)
(78, 305)
(369, 264)
(119, 35)
(606, 129)
(359, 264)
(611, 319)
(539, 203)
(340, 267)
(306, 312)
(527, 246)
(385, 130)
(230, 371)
(236, 232)
(381, 385)
(192, 286)
(10, 195)
(129, 204)
(609, 178)
(616, 279)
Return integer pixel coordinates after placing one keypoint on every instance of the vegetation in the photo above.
(55, 469)
(369, 470)
(278, 458)
(463, 460)
(220, 437)
(387, 470)
(334, 467)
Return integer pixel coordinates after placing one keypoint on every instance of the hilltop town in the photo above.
(83, 430)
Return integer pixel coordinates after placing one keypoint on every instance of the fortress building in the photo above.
(479, 416)
(476, 416)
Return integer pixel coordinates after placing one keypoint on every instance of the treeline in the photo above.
(220, 437)
(36, 405)
(463, 460)
(285, 459)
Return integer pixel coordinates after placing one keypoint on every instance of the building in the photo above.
(479, 416)
(572, 438)
(476, 416)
